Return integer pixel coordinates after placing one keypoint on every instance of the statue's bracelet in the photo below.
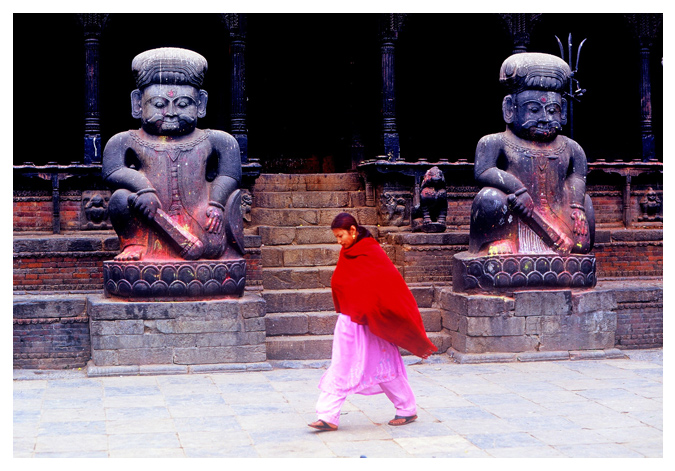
(578, 206)
(217, 205)
(146, 190)
(520, 192)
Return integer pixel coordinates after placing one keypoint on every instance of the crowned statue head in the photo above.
(534, 108)
(169, 98)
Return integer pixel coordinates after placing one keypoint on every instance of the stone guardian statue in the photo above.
(532, 223)
(176, 196)
(534, 178)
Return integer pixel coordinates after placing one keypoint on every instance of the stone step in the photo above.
(319, 347)
(323, 322)
(297, 277)
(300, 255)
(308, 182)
(298, 300)
(309, 199)
(309, 216)
(303, 235)
(321, 299)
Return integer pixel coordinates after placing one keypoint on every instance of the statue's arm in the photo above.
(485, 167)
(576, 178)
(227, 179)
(576, 187)
(116, 173)
(229, 166)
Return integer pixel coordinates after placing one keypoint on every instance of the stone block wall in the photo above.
(529, 321)
(51, 332)
(177, 333)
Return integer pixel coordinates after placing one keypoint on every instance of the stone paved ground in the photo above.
(583, 409)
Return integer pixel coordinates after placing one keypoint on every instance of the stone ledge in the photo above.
(417, 238)
(147, 370)
(103, 241)
(571, 355)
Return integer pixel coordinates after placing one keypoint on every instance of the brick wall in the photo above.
(629, 253)
(75, 263)
(640, 317)
(35, 212)
(51, 332)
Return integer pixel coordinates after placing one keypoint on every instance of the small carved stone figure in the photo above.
(393, 209)
(651, 206)
(433, 201)
(246, 205)
(94, 210)
(176, 186)
(534, 197)
(176, 205)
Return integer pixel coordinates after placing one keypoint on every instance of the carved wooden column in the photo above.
(236, 24)
(93, 25)
(646, 27)
(520, 25)
(390, 27)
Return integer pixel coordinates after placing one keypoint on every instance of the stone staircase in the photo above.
(292, 215)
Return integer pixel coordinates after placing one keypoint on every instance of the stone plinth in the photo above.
(532, 322)
(504, 273)
(205, 332)
(174, 279)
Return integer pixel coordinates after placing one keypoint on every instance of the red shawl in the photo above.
(368, 288)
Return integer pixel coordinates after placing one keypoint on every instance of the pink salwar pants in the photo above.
(363, 363)
(398, 391)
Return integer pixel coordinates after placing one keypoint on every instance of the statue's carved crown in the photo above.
(169, 65)
(534, 71)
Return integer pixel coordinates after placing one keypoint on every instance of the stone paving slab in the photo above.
(607, 408)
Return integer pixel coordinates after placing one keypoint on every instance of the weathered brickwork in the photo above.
(629, 259)
(640, 319)
(75, 263)
(35, 213)
(59, 272)
(50, 333)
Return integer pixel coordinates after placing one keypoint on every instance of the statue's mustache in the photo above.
(537, 124)
(181, 117)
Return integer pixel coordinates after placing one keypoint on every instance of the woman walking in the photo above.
(377, 313)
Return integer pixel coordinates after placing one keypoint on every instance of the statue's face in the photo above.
(538, 115)
(170, 110)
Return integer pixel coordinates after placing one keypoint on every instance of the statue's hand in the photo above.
(146, 203)
(214, 223)
(580, 222)
(522, 204)
(564, 244)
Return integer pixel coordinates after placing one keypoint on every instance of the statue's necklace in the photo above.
(173, 149)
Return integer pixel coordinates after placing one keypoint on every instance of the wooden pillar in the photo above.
(236, 24)
(93, 25)
(520, 27)
(646, 129)
(391, 26)
(646, 27)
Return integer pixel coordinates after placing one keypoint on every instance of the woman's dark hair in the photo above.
(346, 221)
